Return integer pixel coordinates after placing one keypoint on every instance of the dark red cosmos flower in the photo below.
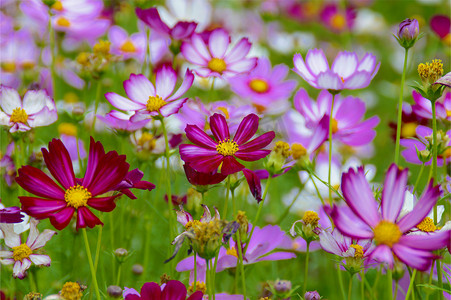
(10, 215)
(198, 178)
(174, 290)
(105, 172)
(207, 155)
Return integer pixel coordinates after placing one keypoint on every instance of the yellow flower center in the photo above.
(310, 217)
(191, 224)
(18, 116)
(358, 251)
(155, 103)
(57, 6)
(338, 21)
(259, 85)
(27, 65)
(77, 196)
(71, 291)
(298, 151)
(217, 65)
(408, 130)
(427, 225)
(200, 286)
(447, 39)
(147, 141)
(21, 252)
(448, 113)
(225, 111)
(260, 108)
(9, 66)
(227, 147)
(67, 129)
(430, 72)
(102, 47)
(387, 233)
(282, 148)
(63, 22)
(232, 251)
(334, 126)
(127, 47)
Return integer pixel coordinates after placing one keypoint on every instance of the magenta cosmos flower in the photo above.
(149, 101)
(36, 109)
(215, 58)
(364, 221)
(206, 155)
(105, 172)
(173, 289)
(347, 71)
(423, 107)
(133, 46)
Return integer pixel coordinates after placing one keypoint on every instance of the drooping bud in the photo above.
(309, 228)
(207, 238)
(408, 31)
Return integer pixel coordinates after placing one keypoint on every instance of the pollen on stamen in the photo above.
(155, 103)
(217, 65)
(77, 196)
(427, 225)
(227, 147)
(21, 252)
(18, 115)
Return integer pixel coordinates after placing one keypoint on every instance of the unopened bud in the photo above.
(408, 32)
(313, 295)
(114, 291)
(137, 269)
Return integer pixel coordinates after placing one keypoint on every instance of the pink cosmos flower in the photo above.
(206, 155)
(412, 145)
(364, 221)
(347, 71)
(105, 172)
(215, 59)
(334, 242)
(24, 254)
(423, 107)
(181, 31)
(133, 46)
(441, 25)
(35, 110)
(7, 166)
(338, 19)
(121, 121)
(265, 87)
(173, 289)
(147, 100)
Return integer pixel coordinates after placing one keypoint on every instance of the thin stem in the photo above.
(214, 274)
(330, 147)
(195, 272)
(99, 242)
(80, 163)
(168, 179)
(399, 125)
(396, 290)
(362, 286)
(32, 280)
(340, 282)
(412, 278)
(304, 288)
(97, 100)
(208, 279)
(91, 265)
(389, 284)
(434, 152)
(257, 217)
(439, 275)
(350, 288)
(240, 257)
(430, 277)
(226, 201)
(119, 269)
(418, 178)
(287, 210)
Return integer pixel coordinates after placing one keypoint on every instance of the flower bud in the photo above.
(313, 295)
(33, 296)
(277, 158)
(408, 32)
(398, 271)
(282, 286)
(121, 254)
(114, 291)
(242, 220)
(207, 238)
(424, 155)
(137, 269)
(71, 290)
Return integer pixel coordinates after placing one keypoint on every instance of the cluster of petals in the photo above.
(105, 172)
(180, 31)
(386, 227)
(173, 289)
(147, 100)
(347, 71)
(36, 109)
(24, 254)
(184, 217)
(334, 242)
(214, 57)
(207, 154)
(121, 121)
(423, 107)
(133, 46)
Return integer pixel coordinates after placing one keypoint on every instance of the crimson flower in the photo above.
(173, 289)
(207, 155)
(105, 172)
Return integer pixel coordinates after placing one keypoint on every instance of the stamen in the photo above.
(232, 251)
(338, 21)
(128, 47)
(259, 85)
(387, 233)
(310, 218)
(227, 147)
(358, 251)
(298, 151)
(18, 116)
(427, 225)
(63, 22)
(21, 252)
(217, 65)
(191, 224)
(77, 196)
(155, 103)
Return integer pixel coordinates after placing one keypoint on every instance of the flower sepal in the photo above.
(432, 92)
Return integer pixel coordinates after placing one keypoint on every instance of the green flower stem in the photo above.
(418, 178)
(350, 287)
(399, 123)
(208, 279)
(362, 285)
(195, 272)
(97, 100)
(99, 242)
(430, 277)
(119, 269)
(287, 210)
(214, 274)
(168, 179)
(32, 280)
(240, 257)
(340, 282)
(304, 288)
(412, 278)
(389, 284)
(257, 217)
(226, 201)
(91, 265)
(330, 147)
(78, 155)
(439, 276)
(52, 51)
(434, 152)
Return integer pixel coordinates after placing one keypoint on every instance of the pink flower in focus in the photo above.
(133, 46)
(206, 155)
(215, 59)
(147, 100)
(347, 72)
(24, 254)
(35, 110)
(364, 221)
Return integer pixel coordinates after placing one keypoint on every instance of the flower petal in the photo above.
(123, 103)
(383, 254)
(172, 107)
(199, 137)
(429, 242)
(61, 219)
(193, 152)
(258, 143)
(414, 258)
(230, 165)
(349, 224)
(252, 155)
(105, 204)
(138, 88)
(301, 69)
(40, 259)
(239, 51)
(329, 81)
(165, 81)
(393, 193)
(218, 42)
(59, 163)
(35, 101)
(20, 267)
(219, 127)
(186, 84)
(9, 99)
(41, 208)
(345, 64)
(247, 128)
(11, 238)
(38, 183)
(150, 291)
(85, 217)
(316, 61)
(174, 290)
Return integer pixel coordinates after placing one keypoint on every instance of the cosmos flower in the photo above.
(347, 72)
(105, 172)
(147, 100)
(24, 254)
(198, 178)
(441, 25)
(7, 166)
(423, 107)
(206, 155)
(180, 31)
(121, 121)
(10, 215)
(215, 58)
(173, 289)
(364, 221)
(133, 46)
(264, 87)
(35, 110)
(338, 19)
